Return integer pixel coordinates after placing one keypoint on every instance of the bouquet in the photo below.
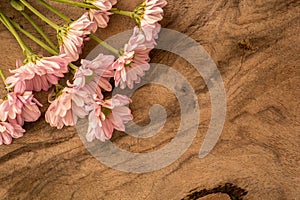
(85, 94)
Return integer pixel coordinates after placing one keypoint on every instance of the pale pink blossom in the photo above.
(38, 75)
(17, 108)
(150, 12)
(93, 76)
(67, 108)
(9, 131)
(72, 36)
(101, 16)
(150, 33)
(108, 115)
(102, 4)
(134, 61)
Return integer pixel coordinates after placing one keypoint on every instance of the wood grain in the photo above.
(255, 45)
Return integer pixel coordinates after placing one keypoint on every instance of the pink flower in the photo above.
(66, 108)
(102, 4)
(92, 76)
(17, 108)
(108, 115)
(150, 33)
(9, 131)
(150, 12)
(72, 36)
(134, 61)
(39, 74)
(101, 17)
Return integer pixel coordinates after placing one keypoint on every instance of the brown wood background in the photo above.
(255, 45)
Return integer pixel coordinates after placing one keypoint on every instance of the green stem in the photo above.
(36, 40)
(77, 4)
(89, 6)
(72, 66)
(3, 22)
(40, 15)
(122, 12)
(39, 30)
(104, 44)
(3, 77)
(55, 11)
(26, 50)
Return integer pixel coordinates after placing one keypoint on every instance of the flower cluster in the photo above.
(88, 94)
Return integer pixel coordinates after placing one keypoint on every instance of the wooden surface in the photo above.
(255, 45)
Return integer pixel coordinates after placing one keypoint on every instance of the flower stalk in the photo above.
(123, 12)
(104, 44)
(33, 38)
(89, 6)
(40, 15)
(55, 11)
(3, 77)
(72, 66)
(6, 22)
(77, 4)
(39, 30)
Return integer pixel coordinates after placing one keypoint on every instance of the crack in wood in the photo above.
(233, 191)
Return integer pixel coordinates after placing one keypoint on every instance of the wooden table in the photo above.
(255, 45)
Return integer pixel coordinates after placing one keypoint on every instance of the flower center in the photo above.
(31, 58)
(58, 91)
(128, 57)
(88, 79)
(128, 63)
(139, 13)
(62, 33)
(106, 111)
